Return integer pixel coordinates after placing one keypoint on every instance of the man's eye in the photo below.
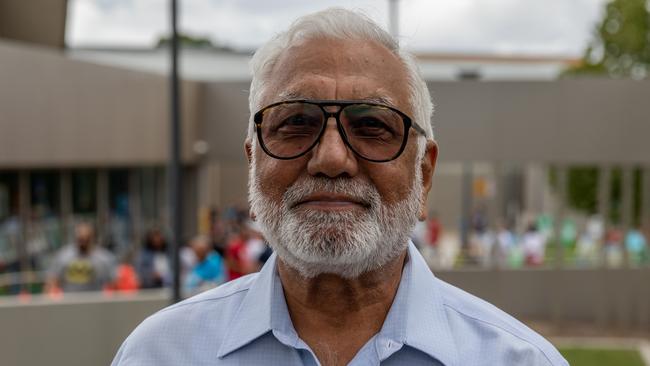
(369, 127)
(298, 123)
(296, 120)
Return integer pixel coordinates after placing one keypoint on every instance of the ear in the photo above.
(428, 166)
(248, 150)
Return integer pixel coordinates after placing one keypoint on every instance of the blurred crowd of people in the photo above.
(233, 248)
(538, 242)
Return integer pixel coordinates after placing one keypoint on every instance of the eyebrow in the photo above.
(376, 98)
(380, 99)
(290, 95)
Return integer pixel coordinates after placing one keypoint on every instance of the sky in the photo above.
(526, 27)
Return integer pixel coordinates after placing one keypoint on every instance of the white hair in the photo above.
(338, 23)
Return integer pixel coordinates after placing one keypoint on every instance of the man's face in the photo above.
(84, 237)
(329, 210)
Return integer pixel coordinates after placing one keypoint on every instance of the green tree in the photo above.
(190, 41)
(621, 43)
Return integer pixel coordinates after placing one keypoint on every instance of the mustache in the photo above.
(358, 190)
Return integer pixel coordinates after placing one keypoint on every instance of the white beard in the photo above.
(347, 244)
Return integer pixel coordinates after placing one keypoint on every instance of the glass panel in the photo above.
(118, 183)
(44, 234)
(84, 192)
(118, 196)
(152, 191)
(148, 193)
(8, 195)
(9, 223)
(44, 190)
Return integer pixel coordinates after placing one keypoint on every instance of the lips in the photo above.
(330, 200)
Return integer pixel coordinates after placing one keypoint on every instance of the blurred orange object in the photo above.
(24, 297)
(54, 293)
(126, 279)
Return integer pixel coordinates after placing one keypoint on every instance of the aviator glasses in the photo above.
(374, 132)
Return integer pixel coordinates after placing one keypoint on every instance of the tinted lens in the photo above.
(374, 132)
(290, 129)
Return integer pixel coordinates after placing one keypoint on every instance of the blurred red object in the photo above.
(24, 297)
(54, 293)
(126, 279)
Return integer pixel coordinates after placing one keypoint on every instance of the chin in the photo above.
(347, 260)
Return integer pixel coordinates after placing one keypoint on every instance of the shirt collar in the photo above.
(417, 317)
(427, 327)
(253, 318)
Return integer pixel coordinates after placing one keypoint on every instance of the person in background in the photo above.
(636, 246)
(533, 244)
(82, 265)
(504, 244)
(237, 258)
(433, 231)
(419, 235)
(126, 277)
(589, 243)
(208, 271)
(480, 239)
(152, 264)
(217, 232)
(568, 237)
(613, 248)
(256, 248)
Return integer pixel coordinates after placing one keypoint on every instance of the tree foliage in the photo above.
(189, 41)
(583, 189)
(621, 43)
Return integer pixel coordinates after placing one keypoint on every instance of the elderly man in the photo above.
(341, 157)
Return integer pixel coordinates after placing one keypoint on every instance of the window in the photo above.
(44, 192)
(8, 195)
(84, 192)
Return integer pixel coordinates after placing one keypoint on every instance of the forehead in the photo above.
(324, 68)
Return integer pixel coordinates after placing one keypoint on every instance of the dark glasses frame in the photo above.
(258, 118)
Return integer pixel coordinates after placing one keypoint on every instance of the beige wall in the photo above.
(34, 21)
(607, 299)
(80, 330)
(57, 112)
(569, 121)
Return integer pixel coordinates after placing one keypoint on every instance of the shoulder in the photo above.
(478, 324)
(195, 326)
(103, 254)
(66, 253)
(224, 298)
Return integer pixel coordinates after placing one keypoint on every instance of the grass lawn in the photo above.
(601, 357)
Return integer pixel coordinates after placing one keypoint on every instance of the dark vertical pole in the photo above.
(560, 214)
(174, 166)
(466, 208)
(604, 208)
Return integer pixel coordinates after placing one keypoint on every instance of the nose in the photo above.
(331, 156)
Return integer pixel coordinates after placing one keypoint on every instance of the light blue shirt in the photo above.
(246, 322)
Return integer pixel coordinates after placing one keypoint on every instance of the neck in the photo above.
(335, 314)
